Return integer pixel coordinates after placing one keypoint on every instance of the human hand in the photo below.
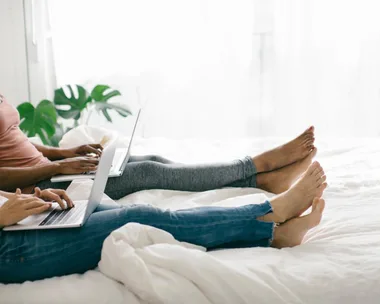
(19, 207)
(56, 195)
(77, 165)
(83, 151)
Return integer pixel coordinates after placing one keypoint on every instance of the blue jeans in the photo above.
(39, 254)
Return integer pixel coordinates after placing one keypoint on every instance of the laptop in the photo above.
(55, 217)
(118, 164)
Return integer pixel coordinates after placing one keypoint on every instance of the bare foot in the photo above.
(291, 233)
(280, 180)
(287, 154)
(299, 197)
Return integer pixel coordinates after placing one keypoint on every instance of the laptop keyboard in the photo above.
(67, 216)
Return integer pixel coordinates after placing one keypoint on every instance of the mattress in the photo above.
(339, 261)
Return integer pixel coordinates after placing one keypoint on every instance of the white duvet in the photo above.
(339, 261)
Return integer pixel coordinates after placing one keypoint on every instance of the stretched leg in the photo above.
(144, 175)
(38, 254)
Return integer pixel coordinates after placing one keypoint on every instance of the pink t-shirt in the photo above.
(15, 148)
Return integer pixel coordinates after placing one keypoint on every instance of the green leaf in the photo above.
(104, 107)
(101, 101)
(38, 121)
(98, 93)
(71, 106)
(106, 114)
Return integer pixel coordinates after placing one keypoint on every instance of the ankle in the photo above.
(261, 164)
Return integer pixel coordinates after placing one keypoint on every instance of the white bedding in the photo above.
(338, 263)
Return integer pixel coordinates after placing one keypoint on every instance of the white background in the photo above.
(209, 68)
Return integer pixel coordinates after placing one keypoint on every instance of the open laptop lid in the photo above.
(101, 177)
(126, 159)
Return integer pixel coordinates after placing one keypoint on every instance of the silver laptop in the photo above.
(55, 217)
(118, 164)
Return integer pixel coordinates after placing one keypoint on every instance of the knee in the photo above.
(149, 167)
(157, 159)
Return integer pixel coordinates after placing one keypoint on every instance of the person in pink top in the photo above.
(287, 170)
(25, 163)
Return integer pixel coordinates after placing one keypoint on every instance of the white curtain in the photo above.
(224, 68)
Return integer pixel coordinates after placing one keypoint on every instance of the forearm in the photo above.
(12, 178)
(51, 152)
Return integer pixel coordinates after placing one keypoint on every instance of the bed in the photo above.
(339, 261)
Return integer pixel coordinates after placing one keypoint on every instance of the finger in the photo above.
(63, 194)
(37, 191)
(27, 200)
(90, 160)
(55, 197)
(34, 204)
(97, 146)
(89, 149)
(38, 210)
(86, 165)
(89, 169)
(18, 191)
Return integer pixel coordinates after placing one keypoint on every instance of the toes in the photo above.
(314, 151)
(309, 130)
(321, 189)
(314, 167)
(323, 179)
(308, 143)
(321, 205)
(314, 204)
(318, 205)
(319, 174)
(308, 133)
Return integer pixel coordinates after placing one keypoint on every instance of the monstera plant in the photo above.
(70, 103)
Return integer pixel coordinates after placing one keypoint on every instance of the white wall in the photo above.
(13, 60)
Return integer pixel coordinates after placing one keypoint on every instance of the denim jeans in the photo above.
(39, 254)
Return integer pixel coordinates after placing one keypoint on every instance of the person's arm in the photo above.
(12, 178)
(53, 153)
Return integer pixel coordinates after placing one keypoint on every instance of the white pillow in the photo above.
(83, 135)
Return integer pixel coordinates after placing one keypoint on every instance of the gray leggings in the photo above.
(156, 172)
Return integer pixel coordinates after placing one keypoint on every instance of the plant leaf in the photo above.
(40, 120)
(98, 93)
(71, 106)
(106, 114)
(104, 107)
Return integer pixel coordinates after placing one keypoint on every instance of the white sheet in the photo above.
(339, 262)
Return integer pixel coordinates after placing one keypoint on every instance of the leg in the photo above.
(153, 158)
(38, 254)
(64, 185)
(155, 172)
(144, 175)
